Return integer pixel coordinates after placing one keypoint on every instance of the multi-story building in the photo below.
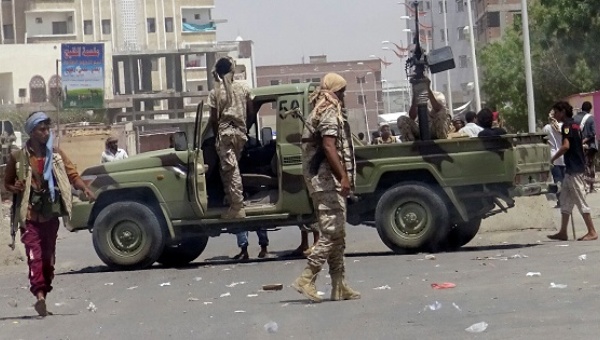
(363, 92)
(493, 17)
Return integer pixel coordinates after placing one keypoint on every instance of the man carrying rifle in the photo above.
(42, 187)
(329, 171)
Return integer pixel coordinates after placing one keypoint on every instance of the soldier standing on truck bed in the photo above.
(329, 172)
(229, 103)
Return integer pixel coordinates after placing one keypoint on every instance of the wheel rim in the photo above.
(411, 219)
(126, 238)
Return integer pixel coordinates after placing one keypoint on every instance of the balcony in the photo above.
(50, 24)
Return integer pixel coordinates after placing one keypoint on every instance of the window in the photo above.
(443, 6)
(38, 20)
(106, 26)
(169, 25)
(362, 99)
(316, 80)
(430, 35)
(200, 88)
(197, 17)
(9, 32)
(59, 27)
(295, 81)
(274, 82)
(427, 5)
(493, 19)
(461, 33)
(88, 27)
(151, 22)
(307, 80)
(443, 35)
(379, 96)
(184, 20)
(154, 62)
(22, 93)
(463, 61)
(460, 6)
(361, 80)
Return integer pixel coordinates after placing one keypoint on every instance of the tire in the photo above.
(416, 201)
(183, 253)
(128, 236)
(461, 234)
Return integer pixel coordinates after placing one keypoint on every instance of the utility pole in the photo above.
(474, 57)
(446, 38)
(528, 75)
(59, 98)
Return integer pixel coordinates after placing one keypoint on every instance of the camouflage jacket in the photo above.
(234, 115)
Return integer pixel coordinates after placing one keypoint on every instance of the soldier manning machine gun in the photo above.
(438, 60)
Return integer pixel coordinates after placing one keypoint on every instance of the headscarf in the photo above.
(110, 139)
(324, 96)
(33, 121)
(553, 121)
(227, 80)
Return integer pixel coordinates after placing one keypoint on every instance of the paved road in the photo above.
(218, 299)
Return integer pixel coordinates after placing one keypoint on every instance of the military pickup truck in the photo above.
(163, 206)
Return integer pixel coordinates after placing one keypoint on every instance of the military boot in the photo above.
(340, 290)
(305, 284)
(234, 213)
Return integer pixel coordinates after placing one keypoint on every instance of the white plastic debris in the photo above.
(252, 295)
(225, 294)
(557, 285)
(240, 311)
(192, 299)
(197, 278)
(356, 261)
(207, 303)
(226, 269)
(285, 304)
(383, 287)
(132, 288)
(109, 284)
(165, 284)
(532, 274)
(233, 284)
(582, 257)
(456, 306)
(519, 256)
(435, 306)
(287, 263)
(320, 293)
(59, 304)
(477, 328)
(92, 307)
(271, 327)
(430, 257)
(562, 245)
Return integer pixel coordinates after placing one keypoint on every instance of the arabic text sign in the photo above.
(83, 75)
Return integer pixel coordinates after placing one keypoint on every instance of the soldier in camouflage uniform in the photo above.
(439, 122)
(229, 103)
(329, 172)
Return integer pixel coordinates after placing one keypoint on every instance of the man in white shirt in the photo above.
(471, 129)
(552, 129)
(112, 151)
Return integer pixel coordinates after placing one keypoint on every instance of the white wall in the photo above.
(45, 27)
(189, 15)
(6, 88)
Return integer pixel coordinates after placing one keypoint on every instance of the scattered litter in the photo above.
(109, 284)
(252, 295)
(582, 257)
(501, 258)
(207, 303)
(132, 288)
(197, 278)
(285, 304)
(192, 299)
(356, 261)
(456, 306)
(477, 328)
(437, 265)
(226, 269)
(557, 285)
(320, 293)
(13, 303)
(519, 256)
(532, 274)
(383, 287)
(434, 306)
(15, 322)
(165, 284)
(276, 286)
(233, 284)
(115, 300)
(429, 257)
(287, 263)
(271, 327)
(92, 307)
(444, 285)
(225, 294)
(562, 245)
(240, 311)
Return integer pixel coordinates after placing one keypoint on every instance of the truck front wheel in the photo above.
(411, 217)
(461, 234)
(128, 235)
(184, 252)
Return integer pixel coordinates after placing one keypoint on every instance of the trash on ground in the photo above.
(271, 327)
(165, 284)
(132, 288)
(483, 258)
(287, 263)
(356, 261)
(320, 293)
(285, 304)
(383, 287)
(519, 256)
(226, 269)
(275, 286)
(197, 278)
(445, 285)
(225, 294)
(582, 257)
(109, 284)
(207, 303)
(532, 274)
(430, 257)
(240, 311)
(477, 328)
(193, 299)
(252, 295)
(557, 285)
(434, 306)
(562, 245)
(92, 307)
(13, 303)
(233, 284)
(456, 306)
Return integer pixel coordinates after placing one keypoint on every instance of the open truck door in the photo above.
(197, 193)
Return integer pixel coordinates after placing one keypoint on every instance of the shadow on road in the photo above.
(285, 256)
(31, 317)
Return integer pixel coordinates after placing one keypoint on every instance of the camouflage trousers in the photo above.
(229, 148)
(438, 127)
(330, 208)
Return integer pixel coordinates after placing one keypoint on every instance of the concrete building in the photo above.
(493, 17)
(363, 93)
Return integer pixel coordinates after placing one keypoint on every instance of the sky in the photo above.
(285, 30)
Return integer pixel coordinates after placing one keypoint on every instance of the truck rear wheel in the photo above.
(128, 235)
(411, 217)
(462, 233)
(184, 252)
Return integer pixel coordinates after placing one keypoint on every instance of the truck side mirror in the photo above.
(266, 135)
(179, 141)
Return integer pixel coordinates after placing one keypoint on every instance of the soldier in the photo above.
(329, 171)
(229, 103)
(44, 185)
(386, 135)
(438, 117)
(112, 151)
(588, 131)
